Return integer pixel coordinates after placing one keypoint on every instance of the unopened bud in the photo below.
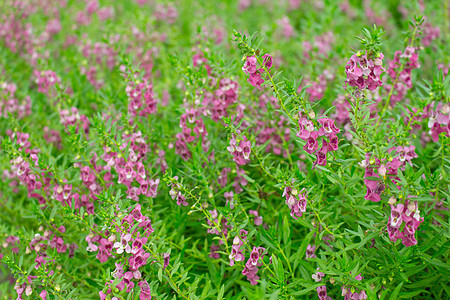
(392, 200)
(382, 170)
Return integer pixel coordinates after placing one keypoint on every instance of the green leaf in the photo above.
(221, 292)
(53, 213)
(265, 238)
(395, 293)
(307, 290)
(302, 249)
(160, 273)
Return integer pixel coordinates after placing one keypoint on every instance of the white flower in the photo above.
(28, 290)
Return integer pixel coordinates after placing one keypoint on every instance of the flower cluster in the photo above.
(237, 250)
(239, 180)
(129, 241)
(317, 88)
(408, 214)
(25, 288)
(286, 27)
(439, 121)
(142, 101)
(296, 201)
(131, 171)
(309, 133)
(318, 276)
(258, 219)
(9, 103)
(252, 264)
(73, 118)
(53, 136)
(224, 96)
(351, 293)
(364, 72)
(94, 113)
(216, 227)
(28, 178)
(320, 48)
(46, 80)
(255, 74)
(191, 122)
(40, 244)
(430, 33)
(342, 105)
(97, 54)
(240, 149)
(167, 13)
(11, 242)
(310, 251)
(384, 167)
(400, 72)
(273, 134)
(176, 192)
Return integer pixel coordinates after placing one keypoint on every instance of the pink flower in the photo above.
(166, 257)
(250, 65)
(396, 215)
(311, 143)
(145, 290)
(322, 292)
(138, 260)
(328, 128)
(258, 219)
(310, 251)
(254, 73)
(318, 276)
(136, 213)
(267, 61)
(251, 267)
(137, 244)
(214, 249)
(237, 248)
(229, 198)
(296, 201)
(364, 72)
(306, 127)
(240, 150)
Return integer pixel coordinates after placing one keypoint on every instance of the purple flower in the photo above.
(145, 290)
(310, 251)
(166, 257)
(311, 143)
(251, 267)
(138, 260)
(322, 292)
(318, 276)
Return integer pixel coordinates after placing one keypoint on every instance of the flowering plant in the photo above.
(153, 149)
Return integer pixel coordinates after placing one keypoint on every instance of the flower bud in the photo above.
(392, 200)
(382, 170)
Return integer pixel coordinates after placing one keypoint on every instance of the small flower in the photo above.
(392, 200)
(318, 276)
(166, 257)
